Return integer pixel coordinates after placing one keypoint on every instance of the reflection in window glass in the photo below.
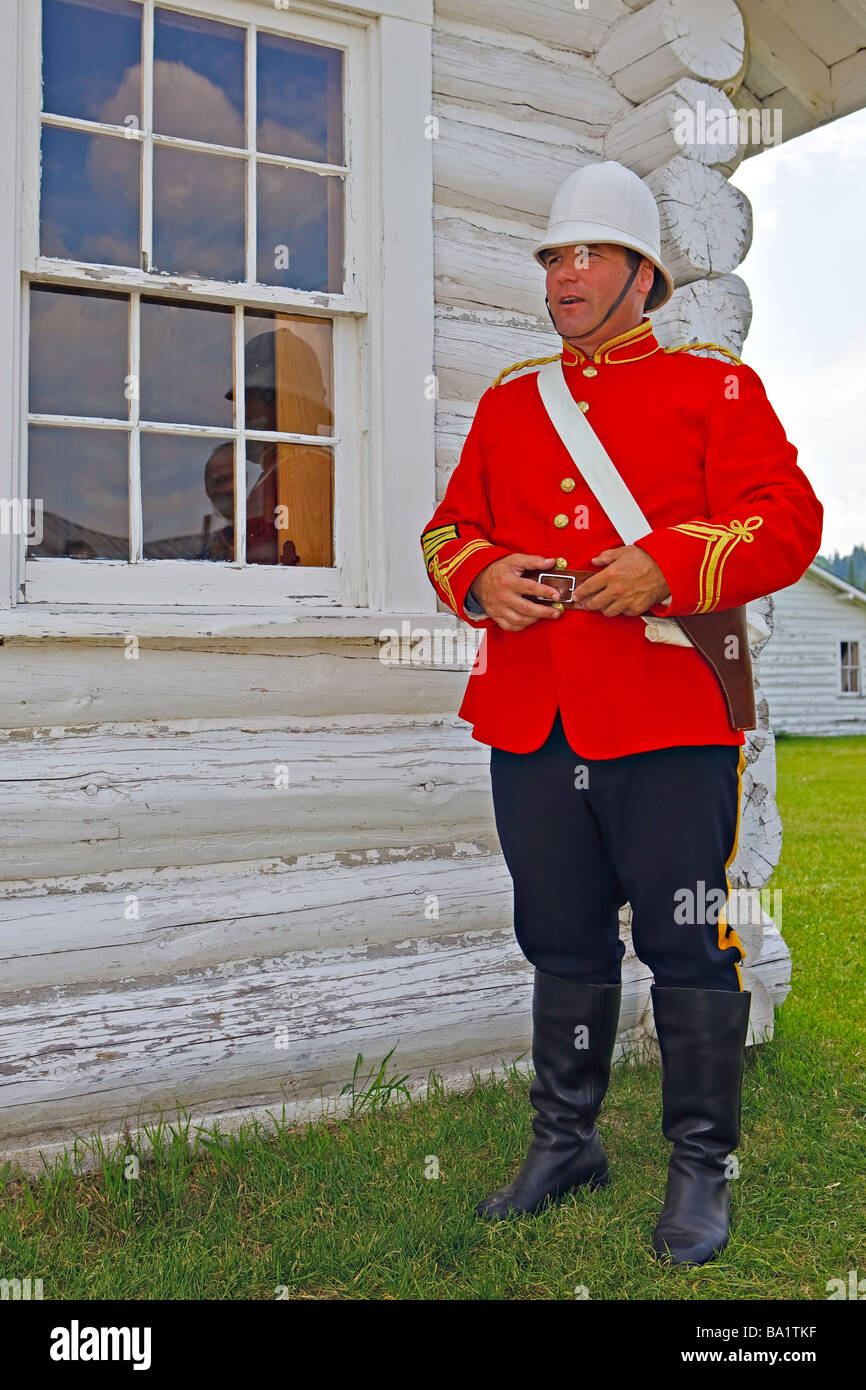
(288, 374)
(91, 60)
(299, 106)
(300, 229)
(198, 207)
(186, 363)
(290, 505)
(198, 79)
(187, 498)
(90, 197)
(78, 353)
(81, 477)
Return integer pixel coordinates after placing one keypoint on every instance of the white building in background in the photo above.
(812, 672)
(262, 259)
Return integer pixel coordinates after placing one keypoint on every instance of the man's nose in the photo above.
(569, 271)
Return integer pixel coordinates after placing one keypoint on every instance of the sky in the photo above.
(806, 272)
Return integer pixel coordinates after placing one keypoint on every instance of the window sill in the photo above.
(70, 622)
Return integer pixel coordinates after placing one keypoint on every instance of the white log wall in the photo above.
(170, 911)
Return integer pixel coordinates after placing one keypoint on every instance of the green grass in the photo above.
(344, 1210)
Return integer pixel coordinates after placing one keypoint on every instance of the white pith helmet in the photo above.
(608, 202)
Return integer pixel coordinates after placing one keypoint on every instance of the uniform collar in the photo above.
(632, 346)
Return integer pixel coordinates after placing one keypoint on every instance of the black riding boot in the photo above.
(573, 1035)
(702, 1036)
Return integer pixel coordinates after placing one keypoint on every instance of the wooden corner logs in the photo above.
(657, 45)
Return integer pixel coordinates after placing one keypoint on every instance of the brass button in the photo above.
(561, 564)
(560, 520)
(590, 371)
(559, 606)
(568, 484)
(583, 405)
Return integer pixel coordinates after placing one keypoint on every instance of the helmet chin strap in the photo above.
(613, 308)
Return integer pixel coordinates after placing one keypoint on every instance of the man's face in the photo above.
(584, 280)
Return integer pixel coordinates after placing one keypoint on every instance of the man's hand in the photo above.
(505, 594)
(629, 584)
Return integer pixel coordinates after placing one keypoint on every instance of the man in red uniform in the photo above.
(616, 775)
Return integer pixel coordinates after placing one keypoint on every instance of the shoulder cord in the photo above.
(695, 347)
(530, 362)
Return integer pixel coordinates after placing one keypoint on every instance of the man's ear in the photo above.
(646, 274)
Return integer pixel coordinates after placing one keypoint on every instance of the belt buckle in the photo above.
(564, 597)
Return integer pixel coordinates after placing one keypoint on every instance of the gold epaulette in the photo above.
(530, 362)
(695, 347)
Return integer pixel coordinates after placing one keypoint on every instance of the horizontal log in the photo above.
(706, 222)
(481, 265)
(485, 262)
(552, 89)
(561, 23)
(471, 348)
(84, 931)
(279, 1028)
(497, 171)
(70, 1059)
(146, 798)
(141, 799)
(655, 46)
(690, 118)
(125, 926)
(706, 311)
(47, 684)
(453, 421)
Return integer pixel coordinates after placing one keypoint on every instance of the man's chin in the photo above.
(574, 319)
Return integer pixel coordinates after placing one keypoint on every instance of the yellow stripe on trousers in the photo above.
(727, 936)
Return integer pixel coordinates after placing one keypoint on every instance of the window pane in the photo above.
(288, 375)
(187, 498)
(290, 506)
(198, 79)
(300, 229)
(91, 59)
(78, 353)
(90, 197)
(186, 363)
(299, 102)
(81, 476)
(199, 208)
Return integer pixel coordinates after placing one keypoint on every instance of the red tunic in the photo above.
(733, 518)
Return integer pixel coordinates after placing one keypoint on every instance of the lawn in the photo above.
(352, 1208)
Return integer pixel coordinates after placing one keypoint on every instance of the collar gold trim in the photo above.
(603, 353)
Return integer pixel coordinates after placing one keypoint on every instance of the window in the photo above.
(849, 668)
(194, 306)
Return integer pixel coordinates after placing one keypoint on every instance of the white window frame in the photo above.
(850, 694)
(383, 333)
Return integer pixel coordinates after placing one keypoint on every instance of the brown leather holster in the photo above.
(709, 633)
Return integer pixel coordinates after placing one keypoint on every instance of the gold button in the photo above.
(583, 405)
(559, 606)
(561, 564)
(568, 485)
(561, 520)
(590, 371)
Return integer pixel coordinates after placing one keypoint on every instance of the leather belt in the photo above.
(710, 634)
(566, 581)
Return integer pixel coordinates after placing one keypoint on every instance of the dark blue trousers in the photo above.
(582, 836)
